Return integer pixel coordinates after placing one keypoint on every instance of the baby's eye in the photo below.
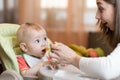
(37, 41)
(45, 38)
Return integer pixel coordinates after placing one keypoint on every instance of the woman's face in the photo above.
(106, 13)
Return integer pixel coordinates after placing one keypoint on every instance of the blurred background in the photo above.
(67, 21)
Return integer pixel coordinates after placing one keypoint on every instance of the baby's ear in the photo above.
(23, 47)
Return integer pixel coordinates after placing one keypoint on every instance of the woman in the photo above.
(108, 15)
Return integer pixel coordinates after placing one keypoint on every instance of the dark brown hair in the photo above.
(112, 37)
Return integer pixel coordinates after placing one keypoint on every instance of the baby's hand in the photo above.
(50, 64)
(53, 65)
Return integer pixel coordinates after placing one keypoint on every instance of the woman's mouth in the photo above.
(105, 23)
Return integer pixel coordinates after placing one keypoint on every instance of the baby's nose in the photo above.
(45, 44)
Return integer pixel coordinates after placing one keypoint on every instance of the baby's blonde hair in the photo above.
(21, 32)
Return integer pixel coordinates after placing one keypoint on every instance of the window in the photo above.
(8, 11)
(89, 15)
(53, 13)
(54, 4)
(91, 4)
(1, 11)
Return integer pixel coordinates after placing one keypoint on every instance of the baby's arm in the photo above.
(34, 70)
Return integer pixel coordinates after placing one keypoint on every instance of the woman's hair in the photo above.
(113, 37)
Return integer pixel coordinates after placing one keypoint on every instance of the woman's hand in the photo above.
(63, 54)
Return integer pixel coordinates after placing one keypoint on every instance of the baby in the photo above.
(33, 41)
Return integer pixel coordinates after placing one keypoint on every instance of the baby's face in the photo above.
(36, 42)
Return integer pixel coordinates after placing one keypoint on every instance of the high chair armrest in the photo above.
(30, 78)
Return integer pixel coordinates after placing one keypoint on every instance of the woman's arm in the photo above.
(102, 67)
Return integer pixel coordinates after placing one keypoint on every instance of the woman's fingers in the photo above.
(60, 52)
(55, 46)
(53, 55)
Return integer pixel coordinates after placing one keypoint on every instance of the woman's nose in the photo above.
(97, 15)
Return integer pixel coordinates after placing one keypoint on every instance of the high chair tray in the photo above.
(63, 73)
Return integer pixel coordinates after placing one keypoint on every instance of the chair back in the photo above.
(9, 46)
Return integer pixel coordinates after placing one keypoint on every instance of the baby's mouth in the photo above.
(43, 51)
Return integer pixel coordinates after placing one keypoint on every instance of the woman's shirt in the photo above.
(102, 67)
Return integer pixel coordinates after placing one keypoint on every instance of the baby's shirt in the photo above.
(22, 63)
(26, 61)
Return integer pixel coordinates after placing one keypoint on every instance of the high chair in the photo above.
(9, 48)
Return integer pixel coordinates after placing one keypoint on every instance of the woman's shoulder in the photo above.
(118, 44)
